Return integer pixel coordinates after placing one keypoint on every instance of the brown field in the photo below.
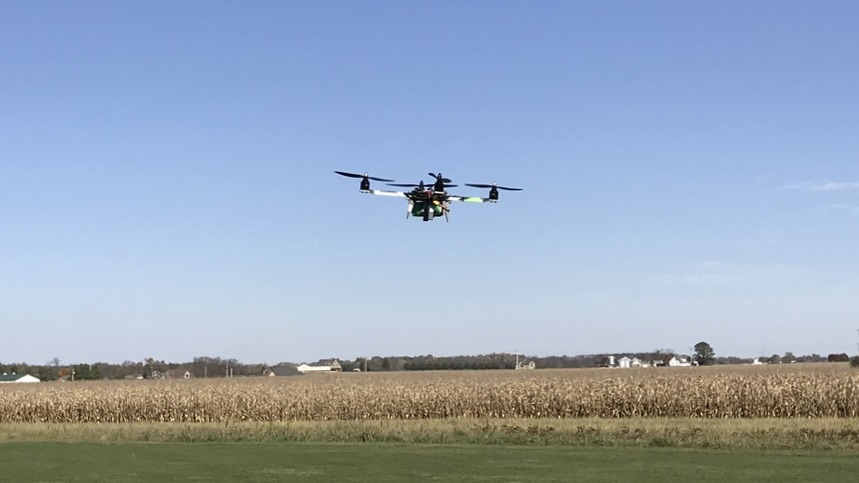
(784, 391)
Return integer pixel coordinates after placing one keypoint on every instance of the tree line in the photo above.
(213, 367)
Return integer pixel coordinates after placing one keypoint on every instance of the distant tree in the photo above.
(788, 357)
(854, 362)
(775, 359)
(45, 374)
(727, 360)
(664, 355)
(838, 357)
(86, 372)
(704, 354)
(816, 358)
(811, 358)
(147, 371)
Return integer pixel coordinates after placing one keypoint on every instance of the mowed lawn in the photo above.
(306, 462)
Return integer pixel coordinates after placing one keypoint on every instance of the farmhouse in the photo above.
(626, 362)
(332, 366)
(9, 378)
(283, 370)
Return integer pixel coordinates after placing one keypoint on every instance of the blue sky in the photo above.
(691, 172)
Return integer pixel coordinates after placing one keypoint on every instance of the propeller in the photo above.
(420, 185)
(492, 186)
(408, 185)
(362, 176)
(441, 182)
(438, 177)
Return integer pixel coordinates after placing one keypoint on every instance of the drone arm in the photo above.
(470, 199)
(398, 194)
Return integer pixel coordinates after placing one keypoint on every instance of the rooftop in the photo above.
(10, 377)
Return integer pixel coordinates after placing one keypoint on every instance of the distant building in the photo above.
(283, 370)
(530, 365)
(332, 366)
(10, 378)
(626, 362)
(681, 362)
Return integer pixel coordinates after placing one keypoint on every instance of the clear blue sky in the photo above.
(691, 172)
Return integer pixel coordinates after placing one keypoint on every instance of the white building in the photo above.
(626, 363)
(681, 362)
(9, 378)
(334, 366)
(530, 365)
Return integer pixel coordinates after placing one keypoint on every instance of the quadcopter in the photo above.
(428, 200)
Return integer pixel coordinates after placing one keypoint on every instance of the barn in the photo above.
(8, 378)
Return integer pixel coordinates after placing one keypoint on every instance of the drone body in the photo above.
(427, 201)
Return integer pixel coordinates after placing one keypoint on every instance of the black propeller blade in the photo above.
(364, 176)
(406, 185)
(421, 185)
(439, 178)
(490, 186)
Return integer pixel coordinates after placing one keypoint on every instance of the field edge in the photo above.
(758, 434)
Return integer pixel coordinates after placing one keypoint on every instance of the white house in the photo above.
(9, 378)
(757, 362)
(334, 366)
(282, 370)
(626, 363)
(682, 362)
(306, 369)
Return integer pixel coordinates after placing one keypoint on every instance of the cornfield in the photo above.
(716, 392)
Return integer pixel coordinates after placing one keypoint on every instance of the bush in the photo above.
(854, 362)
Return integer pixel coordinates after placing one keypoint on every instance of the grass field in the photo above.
(837, 435)
(380, 463)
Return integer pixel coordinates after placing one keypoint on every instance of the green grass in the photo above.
(380, 463)
(734, 434)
